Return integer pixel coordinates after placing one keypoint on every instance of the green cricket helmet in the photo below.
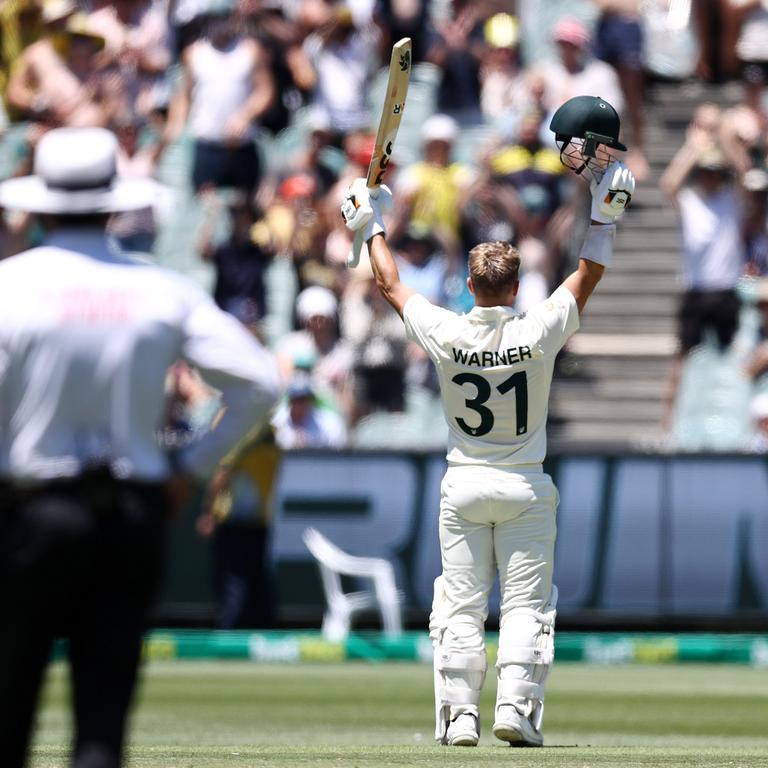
(586, 129)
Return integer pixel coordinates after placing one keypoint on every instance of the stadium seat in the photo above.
(335, 563)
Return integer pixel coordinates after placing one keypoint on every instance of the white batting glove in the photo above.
(611, 196)
(363, 213)
(356, 209)
(363, 208)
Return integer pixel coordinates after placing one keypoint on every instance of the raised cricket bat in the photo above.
(391, 115)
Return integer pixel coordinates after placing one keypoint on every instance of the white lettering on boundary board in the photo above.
(644, 535)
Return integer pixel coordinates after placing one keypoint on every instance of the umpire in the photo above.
(86, 338)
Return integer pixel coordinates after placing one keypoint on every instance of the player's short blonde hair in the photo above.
(494, 266)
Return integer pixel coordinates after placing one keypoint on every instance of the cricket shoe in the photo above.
(463, 731)
(511, 726)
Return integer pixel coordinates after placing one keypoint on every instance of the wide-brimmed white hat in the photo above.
(76, 172)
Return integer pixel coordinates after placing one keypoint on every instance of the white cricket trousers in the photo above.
(495, 519)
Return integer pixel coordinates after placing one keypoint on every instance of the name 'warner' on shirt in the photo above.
(489, 359)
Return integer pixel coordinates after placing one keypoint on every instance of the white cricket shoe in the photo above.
(511, 726)
(463, 731)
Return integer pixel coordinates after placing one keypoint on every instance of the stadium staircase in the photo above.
(610, 383)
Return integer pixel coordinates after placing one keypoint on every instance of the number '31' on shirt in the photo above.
(495, 369)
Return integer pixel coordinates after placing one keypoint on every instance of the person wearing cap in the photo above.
(86, 338)
(528, 161)
(316, 346)
(55, 81)
(700, 182)
(302, 422)
(507, 90)
(432, 191)
(576, 72)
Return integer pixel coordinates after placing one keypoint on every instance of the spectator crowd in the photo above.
(273, 105)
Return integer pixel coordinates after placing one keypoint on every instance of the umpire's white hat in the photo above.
(76, 172)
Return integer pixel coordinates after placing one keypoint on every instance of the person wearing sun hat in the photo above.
(86, 489)
(54, 82)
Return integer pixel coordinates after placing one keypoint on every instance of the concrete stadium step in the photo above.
(649, 239)
(604, 409)
(607, 345)
(615, 389)
(629, 326)
(641, 304)
(578, 436)
(657, 263)
(661, 219)
(619, 282)
(599, 368)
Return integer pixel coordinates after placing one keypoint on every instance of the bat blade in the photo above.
(391, 115)
(392, 111)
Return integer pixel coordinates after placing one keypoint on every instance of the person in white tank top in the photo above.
(226, 86)
(497, 509)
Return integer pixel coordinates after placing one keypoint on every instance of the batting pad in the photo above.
(459, 676)
(522, 668)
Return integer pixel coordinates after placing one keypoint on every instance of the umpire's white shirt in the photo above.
(86, 338)
(495, 367)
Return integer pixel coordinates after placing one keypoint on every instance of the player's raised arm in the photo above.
(363, 212)
(587, 131)
(610, 197)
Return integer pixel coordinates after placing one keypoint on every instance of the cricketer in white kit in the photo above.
(497, 509)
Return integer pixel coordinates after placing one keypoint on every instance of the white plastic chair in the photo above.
(335, 563)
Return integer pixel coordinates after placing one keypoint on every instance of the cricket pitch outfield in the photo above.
(204, 714)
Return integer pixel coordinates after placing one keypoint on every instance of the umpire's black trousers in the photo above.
(79, 559)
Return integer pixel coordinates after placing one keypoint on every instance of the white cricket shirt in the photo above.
(86, 338)
(495, 369)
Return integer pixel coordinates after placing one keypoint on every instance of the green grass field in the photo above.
(205, 714)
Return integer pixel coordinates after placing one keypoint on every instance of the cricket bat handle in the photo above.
(353, 257)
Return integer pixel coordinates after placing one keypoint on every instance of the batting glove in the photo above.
(611, 196)
(363, 208)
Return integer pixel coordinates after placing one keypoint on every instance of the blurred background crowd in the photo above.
(255, 115)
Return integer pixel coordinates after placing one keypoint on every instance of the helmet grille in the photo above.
(585, 157)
